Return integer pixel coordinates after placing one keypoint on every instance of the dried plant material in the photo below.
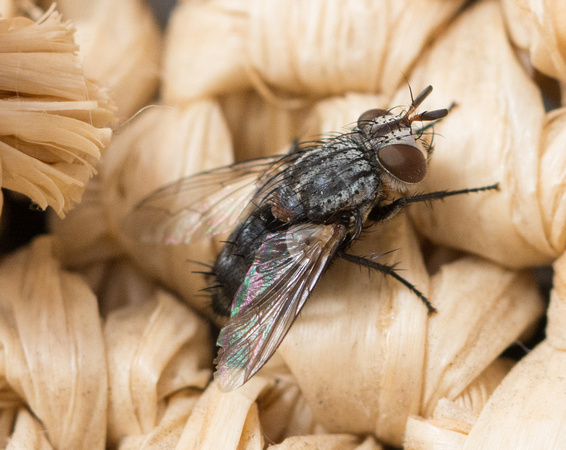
(269, 129)
(387, 364)
(525, 410)
(320, 47)
(28, 433)
(468, 332)
(476, 395)
(328, 442)
(362, 322)
(7, 9)
(118, 283)
(338, 114)
(84, 232)
(492, 136)
(120, 44)
(205, 50)
(312, 48)
(154, 350)
(452, 420)
(401, 364)
(284, 411)
(537, 26)
(235, 414)
(168, 432)
(7, 417)
(266, 129)
(53, 346)
(161, 145)
(423, 435)
(376, 328)
(51, 156)
(552, 178)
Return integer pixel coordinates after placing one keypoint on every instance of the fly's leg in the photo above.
(383, 212)
(388, 270)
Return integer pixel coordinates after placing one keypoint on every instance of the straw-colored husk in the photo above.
(108, 358)
(120, 44)
(525, 408)
(54, 121)
(154, 350)
(363, 323)
(161, 145)
(53, 350)
(493, 135)
(312, 48)
(537, 27)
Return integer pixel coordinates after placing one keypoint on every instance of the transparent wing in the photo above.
(286, 269)
(202, 205)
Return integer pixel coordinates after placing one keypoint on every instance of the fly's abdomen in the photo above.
(236, 257)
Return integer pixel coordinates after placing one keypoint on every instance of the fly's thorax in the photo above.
(326, 185)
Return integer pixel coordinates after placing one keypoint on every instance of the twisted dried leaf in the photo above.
(493, 135)
(53, 118)
(53, 347)
(154, 350)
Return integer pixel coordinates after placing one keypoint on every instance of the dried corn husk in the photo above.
(28, 433)
(362, 323)
(310, 48)
(236, 414)
(364, 355)
(53, 119)
(552, 174)
(537, 27)
(270, 129)
(467, 334)
(329, 442)
(117, 283)
(168, 432)
(215, 61)
(525, 409)
(7, 9)
(119, 43)
(453, 419)
(53, 351)
(154, 350)
(161, 145)
(494, 135)
(267, 129)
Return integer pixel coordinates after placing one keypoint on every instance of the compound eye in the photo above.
(405, 162)
(370, 115)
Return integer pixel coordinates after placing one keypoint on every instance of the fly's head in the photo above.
(397, 145)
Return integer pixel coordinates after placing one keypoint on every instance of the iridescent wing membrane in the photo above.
(285, 271)
(202, 205)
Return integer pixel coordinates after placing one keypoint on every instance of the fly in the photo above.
(289, 216)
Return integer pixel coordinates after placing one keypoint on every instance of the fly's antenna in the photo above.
(425, 115)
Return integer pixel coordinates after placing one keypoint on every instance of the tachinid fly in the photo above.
(290, 216)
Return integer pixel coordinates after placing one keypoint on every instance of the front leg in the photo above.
(383, 212)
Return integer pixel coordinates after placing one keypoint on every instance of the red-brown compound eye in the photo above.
(405, 162)
(370, 115)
